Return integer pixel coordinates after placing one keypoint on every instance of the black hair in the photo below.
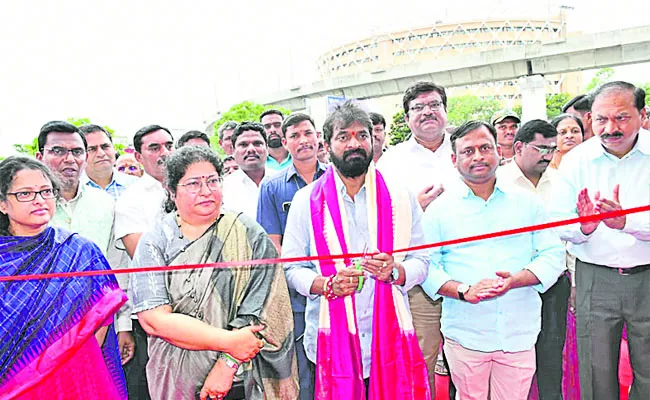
(247, 126)
(271, 111)
(468, 127)
(192, 135)
(226, 126)
(142, 132)
(638, 93)
(58, 126)
(527, 131)
(345, 114)
(377, 118)
(91, 128)
(420, 87)
(9, 167)
(556, 121)
(581, 102)
(295, 119)
(179, 161)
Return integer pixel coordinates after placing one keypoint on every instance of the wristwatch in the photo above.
(462, 289)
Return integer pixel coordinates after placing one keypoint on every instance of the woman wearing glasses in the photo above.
(52, 330)
(212, 330)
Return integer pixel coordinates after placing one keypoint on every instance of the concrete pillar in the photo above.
(533, 97)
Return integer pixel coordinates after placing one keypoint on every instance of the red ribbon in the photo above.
(266, 261)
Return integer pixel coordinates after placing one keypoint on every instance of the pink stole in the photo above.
(397, 369)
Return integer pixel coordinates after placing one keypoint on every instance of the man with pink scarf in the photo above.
(359, 334)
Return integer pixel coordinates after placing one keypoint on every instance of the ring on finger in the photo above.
(350, 280)
(383, 266)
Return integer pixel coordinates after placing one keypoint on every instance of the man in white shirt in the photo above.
(423, 164)
(136, 211)
(534, 146)
(613, 255)
(241, 188)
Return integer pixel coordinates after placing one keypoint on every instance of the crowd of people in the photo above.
(535, 315)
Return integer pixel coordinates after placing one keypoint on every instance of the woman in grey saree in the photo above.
(188, 357)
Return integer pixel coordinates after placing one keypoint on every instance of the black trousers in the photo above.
(135, 370)
(550, 342)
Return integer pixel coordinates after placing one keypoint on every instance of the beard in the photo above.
(355, 167)
(275, 142)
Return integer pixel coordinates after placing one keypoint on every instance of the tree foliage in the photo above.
(603, 75)
(244, 111)
(469, 107)
(399, 129)
(554, 103)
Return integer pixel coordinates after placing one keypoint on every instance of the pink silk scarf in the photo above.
(397, 369)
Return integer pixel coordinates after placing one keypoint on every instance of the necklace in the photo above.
(298, 186)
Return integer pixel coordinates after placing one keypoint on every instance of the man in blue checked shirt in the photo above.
(492, 312)
(100, 172)
(276, 193)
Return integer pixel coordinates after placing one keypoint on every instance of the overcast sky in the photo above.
(130, 63)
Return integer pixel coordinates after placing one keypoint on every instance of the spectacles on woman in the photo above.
(28, 195)
(194, 185)
(131, 168)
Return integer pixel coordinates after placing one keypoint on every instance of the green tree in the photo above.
(399, 129)
(468, 107)
(554, 103)
(603, 75)
(29, 149)
(244, 111)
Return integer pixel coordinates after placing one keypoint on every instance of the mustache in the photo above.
(359, 151)
(479, 165)
(617, 134)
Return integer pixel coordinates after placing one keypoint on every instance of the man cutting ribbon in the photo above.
(360, 344)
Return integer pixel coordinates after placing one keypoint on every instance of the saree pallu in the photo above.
(47, 333)
(228, 298)
(397, 367)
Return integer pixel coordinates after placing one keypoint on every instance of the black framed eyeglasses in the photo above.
(58, 151)
(28, 195)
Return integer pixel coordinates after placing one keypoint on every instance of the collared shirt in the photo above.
(510, 322)
(137, 210)
(119, 183)
(90, 213)
(300, 276)
(276, 194)
(511, 174)
(140, 206)
(590, 166)
(240, 193)
(418, 167)
(274, 165)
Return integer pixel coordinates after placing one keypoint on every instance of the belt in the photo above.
(625, 271)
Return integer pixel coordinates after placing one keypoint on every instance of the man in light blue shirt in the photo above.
(492, 312)
(100, 171)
